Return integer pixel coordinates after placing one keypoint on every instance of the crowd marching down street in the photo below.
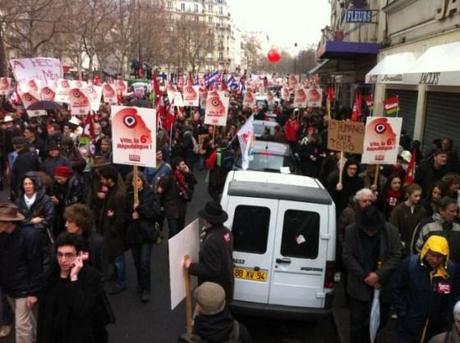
(95, 170)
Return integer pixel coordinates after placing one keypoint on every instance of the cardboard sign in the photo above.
(186, 242)
(217, 104)
(133, 136)
(44, 69)
(191, 96)
(109, 93)
(347, 136)
(5, 85)
(249, 100)
(300, 97)
(381, 140)
(315, 97)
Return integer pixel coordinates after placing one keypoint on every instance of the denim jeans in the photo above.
(120, 268)
(141, 256)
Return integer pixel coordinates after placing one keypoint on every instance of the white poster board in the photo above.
(381, 140)
(300, 97)
(186, 242)
(134, 136)
(315, 97)
(217, 104)
(44, 69)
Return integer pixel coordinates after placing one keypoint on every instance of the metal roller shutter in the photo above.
(407, 108)
(442, 118)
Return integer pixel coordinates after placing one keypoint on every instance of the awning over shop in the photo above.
(318, 67)
(340, 49)
(391, 68)
(439, 65)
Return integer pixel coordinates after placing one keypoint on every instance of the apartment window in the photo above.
(196, 8)
(221, 22)
(170, 5)
(182, 7)
(210, 8)
(210, 20)
(221, 10)
(197, 18)
(221, 55)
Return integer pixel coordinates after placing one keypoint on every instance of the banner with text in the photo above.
(381, 140)
(346, 136)
(44, 69)
(133, 136)
(217, 104)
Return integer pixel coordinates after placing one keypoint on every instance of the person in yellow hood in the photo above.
(424, 292)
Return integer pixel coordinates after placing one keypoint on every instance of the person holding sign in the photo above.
(216, 262)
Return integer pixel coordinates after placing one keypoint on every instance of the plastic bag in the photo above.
(374, 322)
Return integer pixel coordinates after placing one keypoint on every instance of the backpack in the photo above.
(193, 338)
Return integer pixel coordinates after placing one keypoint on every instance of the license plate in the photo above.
(250, 274)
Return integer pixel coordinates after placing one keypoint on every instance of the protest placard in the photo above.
(217, 104)
(186, 242)
(347, 136)
(44, 69)
(300, 97)
(5, 85)
(133, 136)
(79, 102)
(381, 140)
(315, 97)
(191, 96)
(249, 100)
(293, 81)
(62, 91)
(109, 93)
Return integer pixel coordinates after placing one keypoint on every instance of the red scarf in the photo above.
(180, 178)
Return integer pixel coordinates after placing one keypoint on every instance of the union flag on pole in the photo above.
(357, 113)
(391, 105)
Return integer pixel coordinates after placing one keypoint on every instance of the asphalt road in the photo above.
(155, 322)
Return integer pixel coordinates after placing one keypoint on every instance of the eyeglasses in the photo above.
(66, 256)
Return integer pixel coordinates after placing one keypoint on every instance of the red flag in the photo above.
(89, 126)
(410, 173)
(356, 114)
(391, 105)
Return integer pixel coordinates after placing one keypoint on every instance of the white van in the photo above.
(284, 244)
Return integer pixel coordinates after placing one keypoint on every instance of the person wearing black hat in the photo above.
(26, 161)
(371, 252)
(215, 257)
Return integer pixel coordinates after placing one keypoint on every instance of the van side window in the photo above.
(250, 229)
(300, 234)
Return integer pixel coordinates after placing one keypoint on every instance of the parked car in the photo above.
(270, 156)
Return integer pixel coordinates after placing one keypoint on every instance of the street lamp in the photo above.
(295, 58)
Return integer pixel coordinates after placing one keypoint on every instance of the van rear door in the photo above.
(299, 258)
(252, 221)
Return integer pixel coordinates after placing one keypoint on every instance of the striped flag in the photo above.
(391, 105)
(211, 78)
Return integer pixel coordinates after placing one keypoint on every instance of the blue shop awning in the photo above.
(340, 49)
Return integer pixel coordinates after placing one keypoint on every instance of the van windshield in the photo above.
(300, 234)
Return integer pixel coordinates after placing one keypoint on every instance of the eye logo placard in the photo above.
(381, 140)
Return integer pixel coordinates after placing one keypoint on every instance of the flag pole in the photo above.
(135, 185)
(341, 167)
(188, 301)
(376, 175)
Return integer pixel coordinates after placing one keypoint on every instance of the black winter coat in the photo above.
(215, 260)
(142, 230)
(21, 262)
(26, 161)
(67, 309)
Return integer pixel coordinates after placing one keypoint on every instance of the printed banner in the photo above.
(79, 102)
(347, 136)
(191, 96)
(44, 69)
(217, 108)
(315, 97)
(293, 81)
(109, 93)
(121, 87)
(133, 136)
(249, 100)
(381, 140)
(300, 97)
(5, 85)
(62, 91)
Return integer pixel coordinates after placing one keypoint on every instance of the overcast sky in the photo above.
(285, 22)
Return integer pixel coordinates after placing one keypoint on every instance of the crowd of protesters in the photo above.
(72, 216)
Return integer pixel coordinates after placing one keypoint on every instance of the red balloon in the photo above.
(274, 56)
